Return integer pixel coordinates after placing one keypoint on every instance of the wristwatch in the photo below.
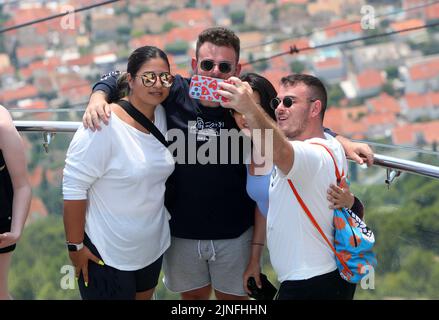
(74, 246)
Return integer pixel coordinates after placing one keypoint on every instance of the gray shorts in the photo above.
(192, 264)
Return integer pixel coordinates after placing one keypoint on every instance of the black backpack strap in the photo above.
(144, 121)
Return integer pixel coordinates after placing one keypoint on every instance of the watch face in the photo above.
(72, 247)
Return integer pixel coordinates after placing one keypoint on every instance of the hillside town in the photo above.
(384, 87)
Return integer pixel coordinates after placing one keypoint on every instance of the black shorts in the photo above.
(329, 286)
(108, 283)
(5, 226)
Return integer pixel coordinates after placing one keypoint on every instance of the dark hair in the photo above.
(135, 61)
(316, 87)
(265, 89)
(219, 36)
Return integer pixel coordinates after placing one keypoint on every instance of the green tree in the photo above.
(178, 47)
(237, 17)
(37, 262)
(392, 72)
(297, 66)
(168, 26)
(335, 94)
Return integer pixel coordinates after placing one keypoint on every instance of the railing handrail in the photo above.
(379, 159)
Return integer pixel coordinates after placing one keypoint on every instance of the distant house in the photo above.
(254, 17)
(28, 54)
(380, 125)
(346, 121)
(149, 22)
(332, 70)
(415, 35)
(383, 104)
(417, 106)
(380, 56)
(338, 30)
(222, 9)
(368, 83)
(105, 24)
(11, 97)
(416, 133)
(190, 17)
(423, 76)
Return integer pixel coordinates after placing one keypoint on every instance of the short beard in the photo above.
(292, 135)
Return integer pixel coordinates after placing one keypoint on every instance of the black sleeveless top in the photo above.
(6, 192)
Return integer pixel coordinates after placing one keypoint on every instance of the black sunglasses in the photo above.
(287, 101)
(208, 65)
(149, 79)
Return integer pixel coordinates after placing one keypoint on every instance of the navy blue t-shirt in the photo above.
(206, 201)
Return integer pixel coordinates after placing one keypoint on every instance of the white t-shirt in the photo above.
(122, 172)
(297, 250)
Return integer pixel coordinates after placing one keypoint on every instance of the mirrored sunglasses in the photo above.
(150, 78)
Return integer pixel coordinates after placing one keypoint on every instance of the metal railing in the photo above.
(394, 165)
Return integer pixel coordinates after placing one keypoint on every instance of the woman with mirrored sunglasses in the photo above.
(115, 220)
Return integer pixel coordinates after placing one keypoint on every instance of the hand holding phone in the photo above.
(206, 88)
(266, 292)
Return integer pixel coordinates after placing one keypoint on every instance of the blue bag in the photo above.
(353, 241)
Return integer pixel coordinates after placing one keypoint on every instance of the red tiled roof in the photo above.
(9, 70)
(432, 12)
(28, 91)
(329, 63)
(336, 28)
(407, 24)
(82, 61)
(188, 34)
(274, 77)
(298, 2)
(32, 51)
(369, 79)
(339, 121)
(35, 104)
(407, 134)
(188, 15)
(384, 103)
(403, 135)
(379, 118)
(220, 3)
(419, 101)
(425, 70)
(148, 39)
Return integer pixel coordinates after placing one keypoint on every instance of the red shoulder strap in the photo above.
(311, 217)
(337, 172)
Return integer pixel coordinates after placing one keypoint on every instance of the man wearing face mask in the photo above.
(212, 215)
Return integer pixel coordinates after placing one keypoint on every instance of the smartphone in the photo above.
(205, 88)
(266, 292)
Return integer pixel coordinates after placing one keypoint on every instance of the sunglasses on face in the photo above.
(208, 65)
(287, 101)
(150, 78)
